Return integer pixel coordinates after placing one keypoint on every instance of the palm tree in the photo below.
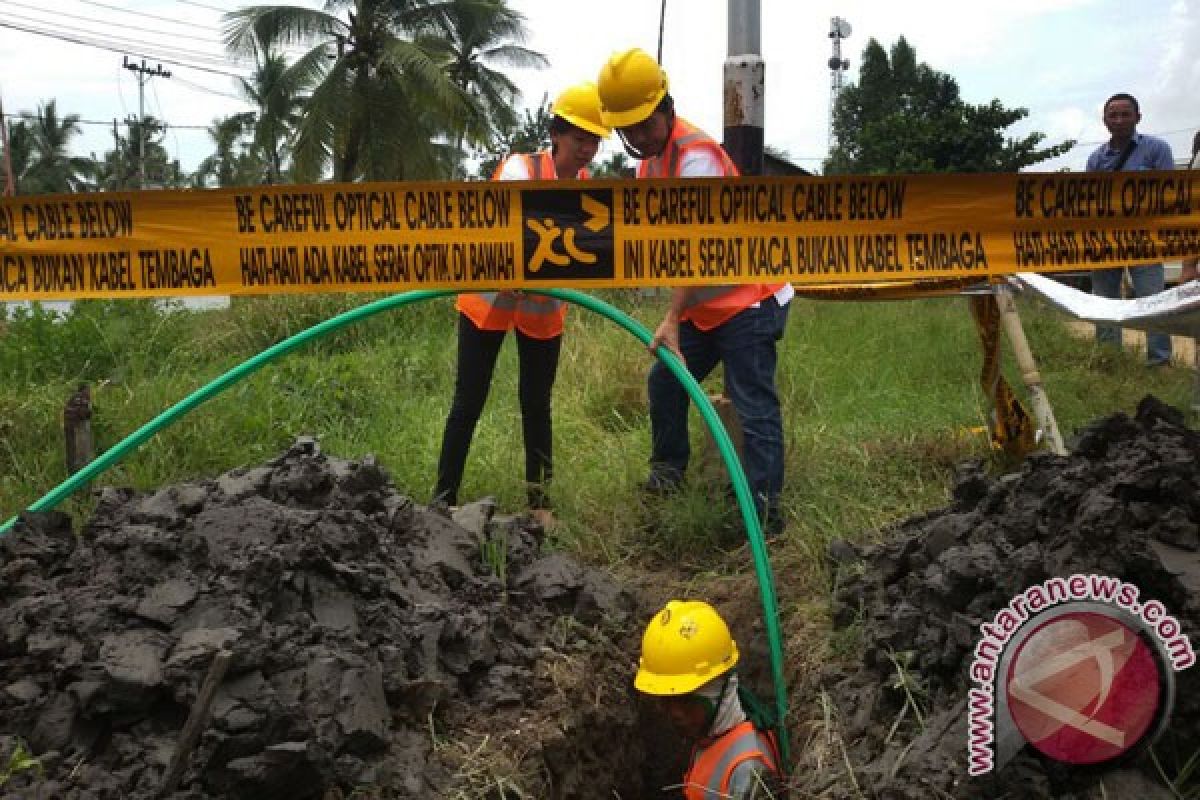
(120, 169)
(527, 136)
(113, 173)
(20, 151)
(51, 169)
(379, 99)
(117, 170)
(278, 99)
(482, 35)
(234, 163)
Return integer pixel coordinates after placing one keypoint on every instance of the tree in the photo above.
(274, 91)
(480, 36)
(237, 161)
(615, 166)
(20, 151)
(382, 100)
(119, 168)
(904, 116)
(161, 171)
(115, 171)
(530, 136)
(50, 168)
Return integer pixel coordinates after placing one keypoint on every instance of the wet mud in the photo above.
(1125, 503)
(379, 649)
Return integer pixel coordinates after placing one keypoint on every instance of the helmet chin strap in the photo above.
(638, 154)
(630, 149)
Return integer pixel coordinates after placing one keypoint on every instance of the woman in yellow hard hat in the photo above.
(687, 664)
(576, 129)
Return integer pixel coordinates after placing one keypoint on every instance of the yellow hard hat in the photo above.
(580, 106)
(631, 86)
(685, 646)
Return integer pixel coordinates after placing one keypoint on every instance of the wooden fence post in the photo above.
(77, 429)
(1040, 401)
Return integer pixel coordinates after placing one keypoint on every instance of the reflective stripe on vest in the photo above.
(713, 767)
(539, 166)
(711, 306)
(684, 137)
(533, 315)
(708, 306)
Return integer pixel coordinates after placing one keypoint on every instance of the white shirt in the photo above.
(699, 162)
(517, 169)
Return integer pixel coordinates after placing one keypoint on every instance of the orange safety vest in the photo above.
(708, 306)
(533, 315)
(712, 768)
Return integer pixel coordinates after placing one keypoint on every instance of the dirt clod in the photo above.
(1125, 503)
(376, 648)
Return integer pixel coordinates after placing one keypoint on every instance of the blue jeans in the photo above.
(745, 344)
(1148, 280)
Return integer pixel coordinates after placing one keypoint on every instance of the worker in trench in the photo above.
(688, 667)
(576, 129)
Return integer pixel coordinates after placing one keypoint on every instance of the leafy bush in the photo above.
(94, 340)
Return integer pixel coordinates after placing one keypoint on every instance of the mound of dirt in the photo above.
(379, 649)
(1125, 503)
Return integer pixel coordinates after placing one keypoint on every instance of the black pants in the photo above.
(538, 364)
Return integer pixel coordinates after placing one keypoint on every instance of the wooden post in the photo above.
(711, 462)
(1029, 371)
(77, 429)
(197, 721)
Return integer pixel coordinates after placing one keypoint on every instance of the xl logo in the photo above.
(1084, 688)
(568, 234)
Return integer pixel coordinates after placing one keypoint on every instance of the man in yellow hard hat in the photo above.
(687, 664)
(737, 326)
(576, 128)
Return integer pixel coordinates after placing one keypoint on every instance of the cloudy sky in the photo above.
(1058, 58)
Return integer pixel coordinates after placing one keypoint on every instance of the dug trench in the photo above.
(382, 650)
(1125, 503)
(379, 649)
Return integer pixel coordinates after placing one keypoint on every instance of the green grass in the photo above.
(879, 401)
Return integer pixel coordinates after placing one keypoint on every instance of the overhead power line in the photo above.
(216, 31)
(208, 89)
(122, 25)
(184, 23)
(137, 50)
(218, 59)
(204, 5)
(109, 122)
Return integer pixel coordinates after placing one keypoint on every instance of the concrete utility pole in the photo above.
(744, 87)
(144, 74)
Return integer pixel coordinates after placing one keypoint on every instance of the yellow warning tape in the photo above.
(841, 231)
